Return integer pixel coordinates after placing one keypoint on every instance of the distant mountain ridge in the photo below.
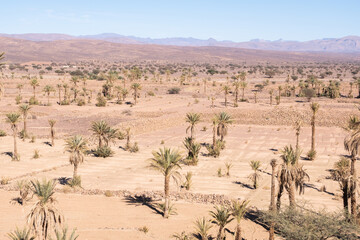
(348, 44)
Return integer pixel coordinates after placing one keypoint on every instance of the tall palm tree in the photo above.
(66, 89)
(59, 87)
(255, 165)
(167, 162)
(136, 87)
(21, 234)
(297, 127)
(34, 83)
(314, 108)
(52, 131)
(238, 210)
(192, 119)
(214, 123)
(243, 85)
(202, 227)
(128, 135)
(20, 86)
(44, 216)
(341, 173)
(48, 89)
(280, 88)
(226, 90)
(100, 130)
(236, 84)
(77, 147)
(221, 217)
(13, 119)
(223, 121)
(271, 92)
(272, 199)
(291, 176)
(24, 110)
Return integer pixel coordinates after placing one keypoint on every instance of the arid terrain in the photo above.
(107, 205)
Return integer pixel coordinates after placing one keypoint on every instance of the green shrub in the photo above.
(101, 101)
(33, 101)
(36, 154)
(2, 133)
(18, 99)
(151, 93)
(103, 152)
(81, 102)
(65, 102)
(311, 155)
(134, 148)
(174, 90)
(75, 182)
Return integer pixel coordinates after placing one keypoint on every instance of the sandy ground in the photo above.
(259, 133)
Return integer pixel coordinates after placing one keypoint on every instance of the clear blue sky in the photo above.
(239, 20)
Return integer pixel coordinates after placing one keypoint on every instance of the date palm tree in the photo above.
(238, 210)
(21, 234)
(272, 200)
(341, 173)
(314, 108)
(34, 83)
(13, 119)
(202, 227)
(48, 89)
(20, 86)
(168, 162)
(24, 110)
(297, 127)
(124, 93)
(66, 93)
(52, 131)
(271, 92)
(77, 147)
(236, 84)
(192, 119)
(226, 90)
(63, 234)
(136, 87)
(44, 216)
(255, 176)
(291, 175)
(221, 217)
(223, 121)
(59, 87)
(100, 131)
(243, 85)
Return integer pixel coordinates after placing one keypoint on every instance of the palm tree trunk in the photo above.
(238, 232)
(52, 132)
(100, 142)
(272, 199)
(15, 157)
(220, 235)
(345, 197)
(166, 190)
(191, 131)
(353, 187)
(214, 135)
(297, 141)
(271, 99)
(34, 92)
(225, 99)
(135, 96)
(243, 93)
(291, 191)
(280, 192)
(59, 96)
(236, 95)
(48, 97)
(313, 133)
(25, 131)
(75, 170)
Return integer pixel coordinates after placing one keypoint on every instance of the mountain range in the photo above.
(348, 44)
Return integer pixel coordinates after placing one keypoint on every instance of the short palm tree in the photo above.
(223, 120)
(192, 119)
(52, 131)
(21, 234)
(100, 130)
(24, 110)
(202, 227)
(59, 87)
(136, 87)
(341, 173)
(221, 217)
(48, 89)
(13, 119)
(238, 210)
(243, 85)
(226, 90)
(77, 147)
(255, 176)
(34, 83)
(124, 93)
(297, 127)
(291, 175)
(193, 149)
(44, 216)
(63, 234)
(168, 162)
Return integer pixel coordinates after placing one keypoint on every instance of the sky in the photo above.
(236, 20)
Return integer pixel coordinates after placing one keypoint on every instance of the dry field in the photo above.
(259, 132)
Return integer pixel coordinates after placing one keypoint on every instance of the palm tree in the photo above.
(341, 173)
(221, 217)
(21, 234)
(272, 200)
(24, 110)
(297, 127)
(44, 216)
(167, 162)
(59, 87)
(192, 119)
(202, 227)
(214, 123)
(238, 210)
(77, 147)
(193, 149)
(13, 119)
(223, 121)
(291, 175)
(237, 86)
(34, 83)
(280, 88)
(100, 130)
(124, 93)
(314, 108)
(271, 92)
(136, 87)
(75, 81)
(128, 135)
(48, 89)
(226, 90)
(66, 88)
(20, 86)
(255, 165)
(52, 131)
(243, 85)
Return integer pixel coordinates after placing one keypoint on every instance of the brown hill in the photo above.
(18, 50)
